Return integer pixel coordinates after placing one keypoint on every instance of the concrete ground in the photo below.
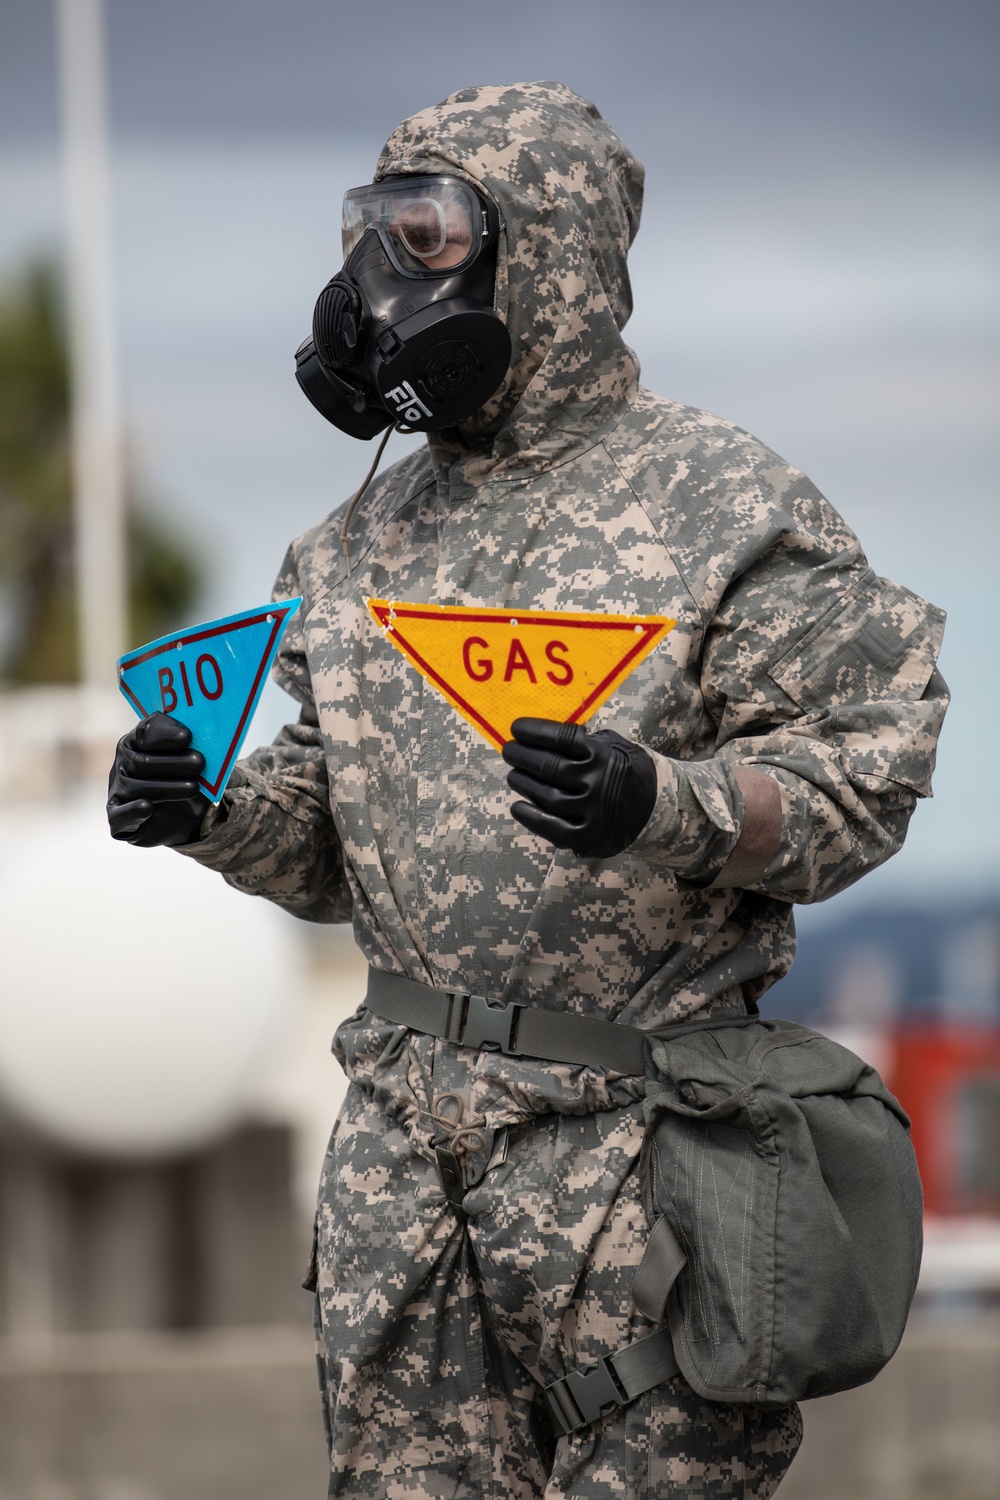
(225, 1415)
(928, 1428)
(232, 1415)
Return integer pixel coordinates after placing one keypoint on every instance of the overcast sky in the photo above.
(818, 262)
(914, 74)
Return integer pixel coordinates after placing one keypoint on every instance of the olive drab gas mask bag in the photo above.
(786, 1211)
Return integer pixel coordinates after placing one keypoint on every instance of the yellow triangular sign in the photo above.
(495, 665)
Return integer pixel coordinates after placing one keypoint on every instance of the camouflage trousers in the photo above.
(435, 1336)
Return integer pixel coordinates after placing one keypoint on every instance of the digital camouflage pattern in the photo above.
(432, 1341)
(573, 489)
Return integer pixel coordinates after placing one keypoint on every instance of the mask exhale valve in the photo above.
(405, 333)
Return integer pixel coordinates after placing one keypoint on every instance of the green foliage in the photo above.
(163, 578)
(36, 529)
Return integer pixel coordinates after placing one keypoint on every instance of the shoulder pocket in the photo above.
(879, 641)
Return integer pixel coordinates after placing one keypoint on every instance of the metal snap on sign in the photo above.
(210, 678)
(495, 665)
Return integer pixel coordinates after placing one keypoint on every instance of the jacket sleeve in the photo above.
(821, 677)
(273, 834)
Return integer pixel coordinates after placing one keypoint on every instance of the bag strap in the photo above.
(662, 1262)
(583, 1395)
(516, 1029)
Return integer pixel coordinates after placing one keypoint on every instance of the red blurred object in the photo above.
(947, 1078)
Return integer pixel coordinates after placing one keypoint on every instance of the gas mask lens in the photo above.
(423, 230)
(430, 224)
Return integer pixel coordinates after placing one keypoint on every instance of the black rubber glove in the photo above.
(591, 793)
(153, 795)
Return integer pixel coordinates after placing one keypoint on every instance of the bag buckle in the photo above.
(490, 1026)
(582, 1396)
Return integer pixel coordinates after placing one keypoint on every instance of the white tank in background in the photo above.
(141, 999)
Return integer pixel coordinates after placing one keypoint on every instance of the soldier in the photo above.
(480, 1217)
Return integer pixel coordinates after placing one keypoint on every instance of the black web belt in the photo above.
(518, 1030)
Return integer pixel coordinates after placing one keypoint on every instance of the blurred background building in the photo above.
(818, 263)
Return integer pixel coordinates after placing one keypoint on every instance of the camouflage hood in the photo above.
(570, 194)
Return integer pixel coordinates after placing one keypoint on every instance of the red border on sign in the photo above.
(278, 614)
(383, 612)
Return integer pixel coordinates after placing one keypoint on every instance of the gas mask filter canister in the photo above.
(405, 333)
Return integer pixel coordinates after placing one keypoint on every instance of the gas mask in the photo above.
(405, 333)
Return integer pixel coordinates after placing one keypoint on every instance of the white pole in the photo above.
(98, 459)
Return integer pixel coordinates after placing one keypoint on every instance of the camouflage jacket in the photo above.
(575, 489)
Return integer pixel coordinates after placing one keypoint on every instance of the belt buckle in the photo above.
(490, 1026)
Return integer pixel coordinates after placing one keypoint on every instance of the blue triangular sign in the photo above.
(210, 678)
